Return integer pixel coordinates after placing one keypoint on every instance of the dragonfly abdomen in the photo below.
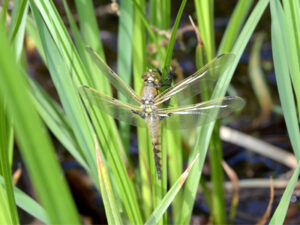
(153, 122)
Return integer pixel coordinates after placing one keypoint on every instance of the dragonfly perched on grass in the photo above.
(147, 109)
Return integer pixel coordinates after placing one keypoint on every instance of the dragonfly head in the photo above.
(151, 76)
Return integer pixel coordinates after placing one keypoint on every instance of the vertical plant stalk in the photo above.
(124, 60)
(205, 17)
(6, 152)
(112, 212)
(217, 176)
(205, 131)
(42, 165)
(281, 58)
(146, 162)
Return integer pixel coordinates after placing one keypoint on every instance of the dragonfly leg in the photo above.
(138, 113)
(158, 70)
(168, 80)
(161, 117)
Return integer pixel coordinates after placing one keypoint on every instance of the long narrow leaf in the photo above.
(235, 24)
(124, 60)
(36, 149)
(61, 75)
(6, 131)
(280, 54)
(281, 210)
(292, 19)
(57, 122)
(28, 204)
(5, 213)
(111, 209)
(169, 197)
(206, 131)
(106, 131)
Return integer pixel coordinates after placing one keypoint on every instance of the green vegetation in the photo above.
(131, 195)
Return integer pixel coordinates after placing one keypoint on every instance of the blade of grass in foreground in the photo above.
(3, 13)
(109, 140)
(281, 210)
(36, 149)
(281, 57)
(235, 24)
(112, 213)
(146, 164)
(205, 17)
(292, 18)
(17, 27)
(57, 122)
(168, 58)
(201, 145)
(28, 204)
(6, 152)
(5, 213)
(88, 25)
(124, 59)
(168, 198)
(60, 71)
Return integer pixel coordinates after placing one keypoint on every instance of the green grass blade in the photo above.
(138, 10)
(42, 165)
(292, 18)
(170, 139)
(125, 44)
(88, 25)
(106, 131)
(160, 18)
(3, 13)
(146, 161)
(217, 177)
(60, 72)
(281, 210)
(160, 14)
(34, 34)
(29, 205)
(51, 112)
(5, 213)
(112, 213)
(206, 131)
(205, 12)
(6, 144)
(205, 17)
(281, 62)
(169, 197)
(17, 27)
(18, 18)
(56, 121)
(235, 24)
(124, 60)
(168, 58)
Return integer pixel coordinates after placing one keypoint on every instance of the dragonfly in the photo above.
(149, 109)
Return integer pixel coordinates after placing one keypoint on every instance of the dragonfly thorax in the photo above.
(148, 109)
(151, 87)
(151, 78)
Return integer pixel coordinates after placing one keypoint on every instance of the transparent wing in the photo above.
(113, 107)
(199, 114)
(114, 79)
(198, 82)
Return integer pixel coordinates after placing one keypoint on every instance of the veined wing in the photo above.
(199, 114)
(115, 80)
(191, 86)
(112, 106)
